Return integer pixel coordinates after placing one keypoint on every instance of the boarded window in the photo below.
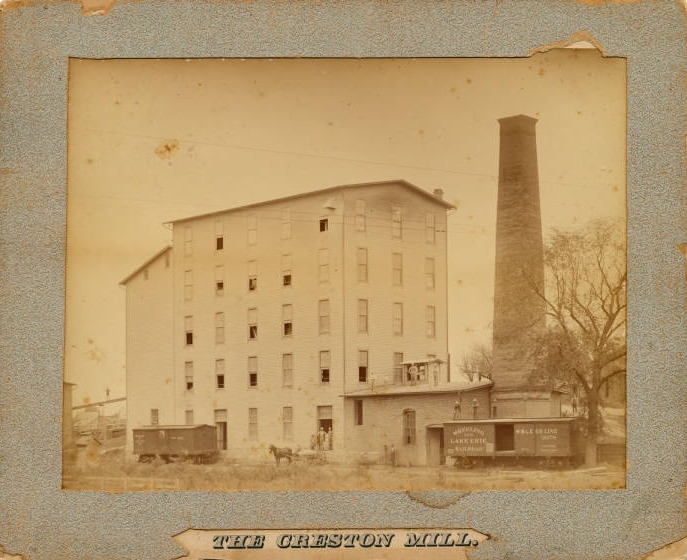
(362, 315)
(358, 411)
(431, 328)
(362, 265)
(219, 328)
(287, 370)
(396, 222)
(323, 265)
(154, 416)
(430, 279)
(188, 285)
(397, 269)
(188, 242)
(398, 367)
(287, 420)
(323, 316)
(430, 229)
(360, 215)
(397, 318)
(253, 424)
(409, 433)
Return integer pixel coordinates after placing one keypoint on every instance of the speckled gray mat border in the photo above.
(40, 521)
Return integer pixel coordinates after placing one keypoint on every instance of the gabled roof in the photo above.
(145, 264)
(401, 182)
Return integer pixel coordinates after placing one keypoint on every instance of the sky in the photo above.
(150, 141)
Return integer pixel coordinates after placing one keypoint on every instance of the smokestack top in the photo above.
(517, 123)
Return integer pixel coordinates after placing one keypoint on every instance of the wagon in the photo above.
(530, 441)
(197, 444)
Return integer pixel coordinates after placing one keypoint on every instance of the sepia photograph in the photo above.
(346, 274)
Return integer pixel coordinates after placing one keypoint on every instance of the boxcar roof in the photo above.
(514, 420)
(173, 427)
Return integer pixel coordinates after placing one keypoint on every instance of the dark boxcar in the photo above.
(515, 439)
(175, 443)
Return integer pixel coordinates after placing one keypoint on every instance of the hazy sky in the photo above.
(245, 131)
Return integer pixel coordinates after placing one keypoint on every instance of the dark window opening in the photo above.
(288, 329)
(358, 412)
(324, 224)
(409, 427)
(253, 332)
(362, 374)
(252, 284)
(220, 381)
(253, 379)
(324, 375)
(219, 243)
(504, 437)
(219, 287)
(189, 385)
(287, 279)
(189, 338)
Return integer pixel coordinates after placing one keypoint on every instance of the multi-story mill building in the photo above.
(276, 320)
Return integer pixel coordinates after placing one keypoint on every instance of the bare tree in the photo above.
(586, 308)
(477, 362)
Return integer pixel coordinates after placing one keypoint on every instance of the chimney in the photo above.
(519, 312)
(439, 193)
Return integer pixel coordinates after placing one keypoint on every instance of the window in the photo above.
(189, 417)
(252, 424)
(397, 318)
(323, 316)
(287, 319)
(219, 235)
(252, 230)
(324, 419)
(252, 371)
(429, 273)
(188, 330)
(324, 366)
(287, 370)
(324, 224)
(362, 315)
(409, 427)
(362, 366)
(287, 420)
(188, 285)
(398, 367)
(431, 321)
(219, 280)
(397, 269)
(286, 270)
(221, 423)
(358, 411)
(188, 375)
(286, 224)
(252, 323)
(362, 265)
(360, 215)
(252, 276)
(154, 416)
(323, 265)
(396, 222)
(188, 242)
(219, 328)
(220, 372)
(430, 230)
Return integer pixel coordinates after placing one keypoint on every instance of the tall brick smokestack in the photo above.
(518, 311)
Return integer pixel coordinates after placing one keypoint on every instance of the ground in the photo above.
(115, 475)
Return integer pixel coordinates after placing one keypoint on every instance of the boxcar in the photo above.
(197, 444)
(530, 441)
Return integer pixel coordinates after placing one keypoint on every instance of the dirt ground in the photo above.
(118, 476)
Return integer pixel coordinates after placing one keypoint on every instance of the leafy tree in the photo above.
(584, 344)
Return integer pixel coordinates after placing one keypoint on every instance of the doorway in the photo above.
(505, 437)
(435, 446)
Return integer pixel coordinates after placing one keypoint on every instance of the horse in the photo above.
(281, 453)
